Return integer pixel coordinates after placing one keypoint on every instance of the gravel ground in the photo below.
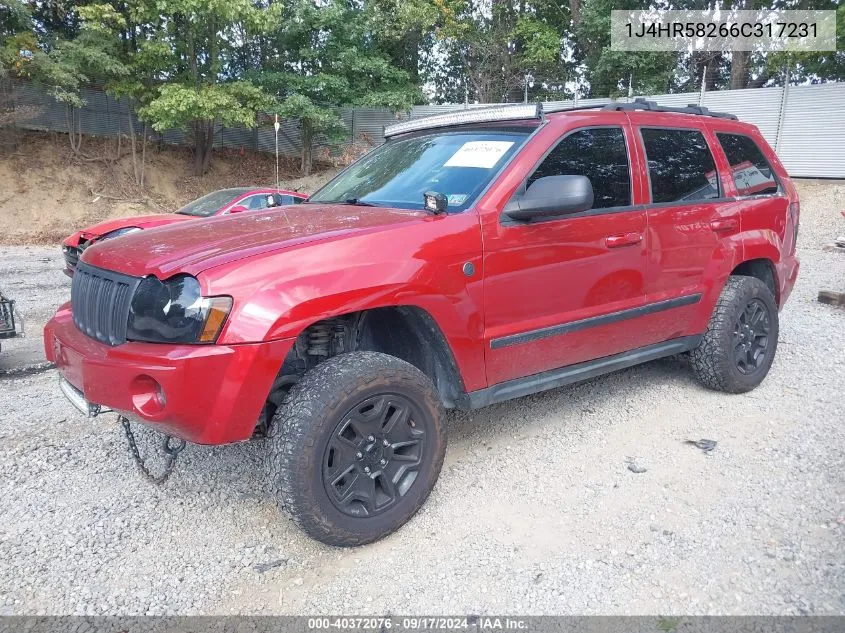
(33, 277)
(536, 511)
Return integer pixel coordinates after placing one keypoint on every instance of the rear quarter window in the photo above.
(751, 172)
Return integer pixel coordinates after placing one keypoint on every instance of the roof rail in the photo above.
(553, 109)
(644, 104)
(513, 112)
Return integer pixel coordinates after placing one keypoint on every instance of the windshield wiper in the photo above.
(352, 202)
(357, 202)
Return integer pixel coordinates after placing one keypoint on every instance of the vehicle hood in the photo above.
(191, 247)
(141, 221)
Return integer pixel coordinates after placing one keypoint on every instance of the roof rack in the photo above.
(522, 111)
(644, 104)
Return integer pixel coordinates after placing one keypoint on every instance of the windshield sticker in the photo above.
(457, 198)
(483, 154)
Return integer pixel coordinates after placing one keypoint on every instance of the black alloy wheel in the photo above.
(374, 455)
(738, 348)
(356, 447)
(751, 337)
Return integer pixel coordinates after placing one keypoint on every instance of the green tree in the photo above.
(176, 52)
(324, 56)
(198, 108)
(609, 73)
(808, 66)
(496, 52)
(198, 35)
(313, 120)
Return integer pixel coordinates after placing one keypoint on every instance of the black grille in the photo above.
(100, 302)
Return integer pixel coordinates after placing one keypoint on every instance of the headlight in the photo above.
(119, 232)
(174, 311)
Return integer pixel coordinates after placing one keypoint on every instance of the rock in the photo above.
(273, 564)
(636, 467)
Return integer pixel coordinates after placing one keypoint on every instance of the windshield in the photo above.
(456, 164)
(211, 203)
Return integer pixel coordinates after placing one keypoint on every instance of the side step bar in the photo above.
(574, 373)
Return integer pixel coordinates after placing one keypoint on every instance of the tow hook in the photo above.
(172, 447)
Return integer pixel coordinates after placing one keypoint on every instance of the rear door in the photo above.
(763, 204)
(566, 289)
(692, 225)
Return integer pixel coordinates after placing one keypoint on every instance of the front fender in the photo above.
(279, 295)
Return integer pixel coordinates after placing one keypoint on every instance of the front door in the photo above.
(567, 289)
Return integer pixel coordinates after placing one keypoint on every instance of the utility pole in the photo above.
(276, 127)
(525, 98)
(703, 86)
(782, 115)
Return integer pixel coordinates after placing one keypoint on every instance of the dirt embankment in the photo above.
(46, 192)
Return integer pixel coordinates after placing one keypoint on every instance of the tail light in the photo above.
(795, 217)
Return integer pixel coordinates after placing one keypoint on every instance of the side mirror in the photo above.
(551, 196)
(238, 208)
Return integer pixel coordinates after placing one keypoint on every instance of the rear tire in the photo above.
(739, 345)
(357, 447)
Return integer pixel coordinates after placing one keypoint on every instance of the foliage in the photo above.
(193, 64)
(321, 120)
(328, 56)
(18, 43)
(178, 106)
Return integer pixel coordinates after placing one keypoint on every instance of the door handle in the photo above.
(725, 224)
(625, 239)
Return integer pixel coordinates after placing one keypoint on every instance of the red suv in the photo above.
(474, 257)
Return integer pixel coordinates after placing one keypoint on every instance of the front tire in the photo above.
(738, 347)
(357, 447)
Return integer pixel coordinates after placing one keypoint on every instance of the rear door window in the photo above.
(751, 172)
(680, 165)
(601, 155)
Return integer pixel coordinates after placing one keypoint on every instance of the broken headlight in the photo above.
(174, 311)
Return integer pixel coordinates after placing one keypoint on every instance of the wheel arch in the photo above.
(763, 269)
(407, 332)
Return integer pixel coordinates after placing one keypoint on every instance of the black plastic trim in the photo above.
(574, 373)
(651, 106)
(604, 319)
(690, 203)
(508, 222)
